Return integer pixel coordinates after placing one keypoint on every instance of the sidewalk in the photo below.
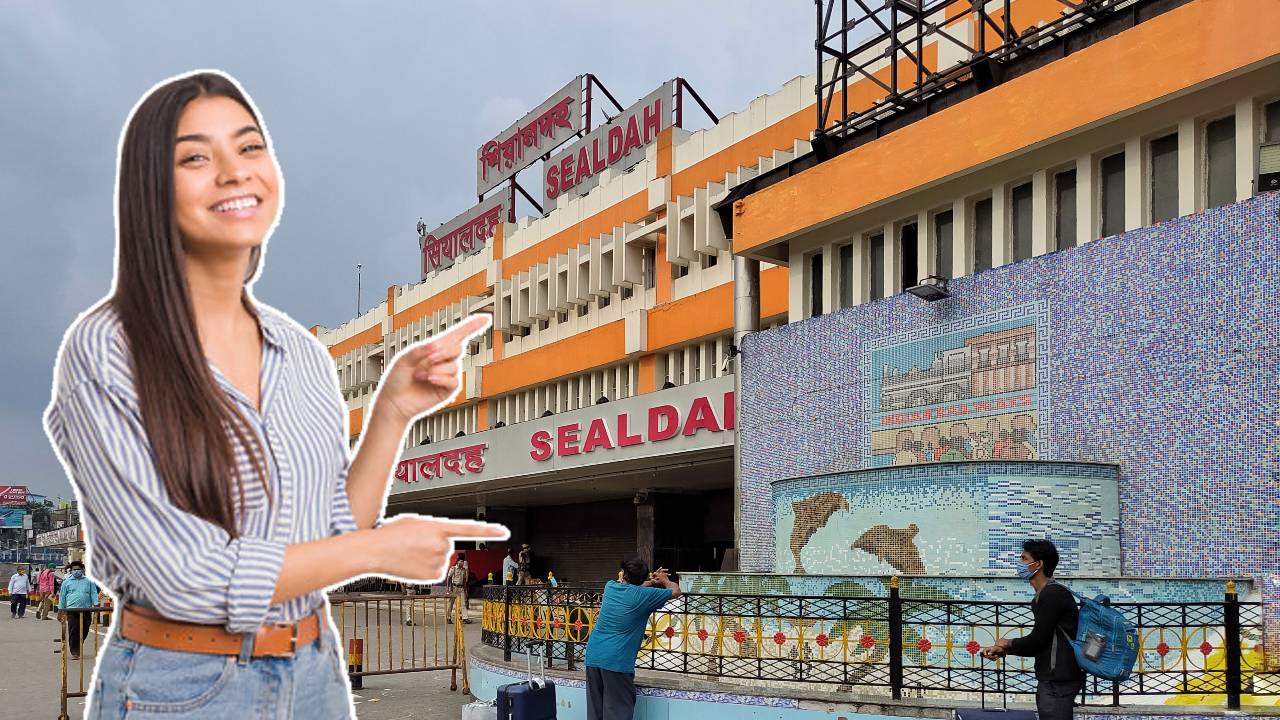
(29, 679)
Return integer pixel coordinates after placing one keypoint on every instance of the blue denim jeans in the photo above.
(136, 682)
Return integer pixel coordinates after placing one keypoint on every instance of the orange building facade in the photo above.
(597, 417)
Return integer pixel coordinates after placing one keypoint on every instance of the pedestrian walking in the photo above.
(19, 588)
(74, 597)
(1059, 677)
(47, 585)
(611, 649)
(206, 436)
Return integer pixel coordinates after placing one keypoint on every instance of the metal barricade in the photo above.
(84, 634)
(388, 633)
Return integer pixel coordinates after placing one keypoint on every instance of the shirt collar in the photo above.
(272, 331)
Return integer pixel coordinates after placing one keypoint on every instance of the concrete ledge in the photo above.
(804, 703)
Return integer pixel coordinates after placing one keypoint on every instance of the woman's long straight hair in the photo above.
(188, 419)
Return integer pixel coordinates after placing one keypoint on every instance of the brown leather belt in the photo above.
(147, 627)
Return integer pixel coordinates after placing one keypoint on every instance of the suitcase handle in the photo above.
(536, 683)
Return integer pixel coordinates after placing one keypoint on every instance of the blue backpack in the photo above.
(1106, 644)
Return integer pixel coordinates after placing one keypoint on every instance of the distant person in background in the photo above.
(509, 567)
(611, 649)
(523, 562)
(19, 588)
(47, 585)
(78, 592)
(459, 576)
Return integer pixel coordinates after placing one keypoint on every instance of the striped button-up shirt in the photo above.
(142, 547)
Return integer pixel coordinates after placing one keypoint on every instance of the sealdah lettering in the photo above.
(663, 423)
(605, 150)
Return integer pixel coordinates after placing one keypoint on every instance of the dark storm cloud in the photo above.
(375, 109)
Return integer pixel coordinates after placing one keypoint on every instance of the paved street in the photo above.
(29, 674)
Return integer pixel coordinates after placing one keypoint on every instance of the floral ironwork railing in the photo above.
(919, 647)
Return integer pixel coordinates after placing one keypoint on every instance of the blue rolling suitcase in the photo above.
(533, 699)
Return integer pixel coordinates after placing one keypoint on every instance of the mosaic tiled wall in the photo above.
(950, 518)
(1156, 350)
(1006, 589)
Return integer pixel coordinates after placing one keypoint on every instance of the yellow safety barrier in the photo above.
(84, 633)
(386, 633)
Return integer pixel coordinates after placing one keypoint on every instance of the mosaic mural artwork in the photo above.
(1155, 352)
(967, 391)
(947, 519)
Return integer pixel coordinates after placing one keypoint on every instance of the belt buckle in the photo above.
(293, 639)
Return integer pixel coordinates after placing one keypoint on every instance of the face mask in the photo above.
(1024, 570)
(77, 574)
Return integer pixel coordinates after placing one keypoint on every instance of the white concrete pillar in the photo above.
(1189, 170)
(1086, 214)
(1247, 141)
(926, 246)
(1041, 237)
(1135, 190)
(830, 271)
(1001, 240)
(796, 286)
(859, 270)
(892, 260)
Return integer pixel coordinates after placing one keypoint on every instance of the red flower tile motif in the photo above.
(779, 638)
(577, 624)
(740, 636)
(823, 640)
(702, 634)
(924, 645)
(669, 632)
(973, 647)
(1162, 649)
(867, 642)
(1206, 648)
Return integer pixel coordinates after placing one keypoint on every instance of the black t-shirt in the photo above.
(1057, 617)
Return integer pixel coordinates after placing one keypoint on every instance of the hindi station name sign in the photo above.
(544, 128)
(464, 235)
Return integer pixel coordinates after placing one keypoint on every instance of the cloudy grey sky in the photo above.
(375, 108)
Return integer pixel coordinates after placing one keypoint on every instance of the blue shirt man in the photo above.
(615, 639)
(77, 592)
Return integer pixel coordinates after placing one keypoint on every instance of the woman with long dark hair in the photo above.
(206, 437)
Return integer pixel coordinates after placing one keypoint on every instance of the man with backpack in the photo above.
(1059, 677)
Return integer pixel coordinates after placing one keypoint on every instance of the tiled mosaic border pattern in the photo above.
(671, 694)
(1164, 362)
(1002, 589)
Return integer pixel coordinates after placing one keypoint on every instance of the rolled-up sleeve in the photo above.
(340, 518)
(190, 569)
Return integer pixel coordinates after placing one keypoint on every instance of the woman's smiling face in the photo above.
(225, 181)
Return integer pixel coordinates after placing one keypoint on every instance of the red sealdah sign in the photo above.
(620, 143)
(660, 423)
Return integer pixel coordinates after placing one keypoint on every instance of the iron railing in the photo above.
(925, 648)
